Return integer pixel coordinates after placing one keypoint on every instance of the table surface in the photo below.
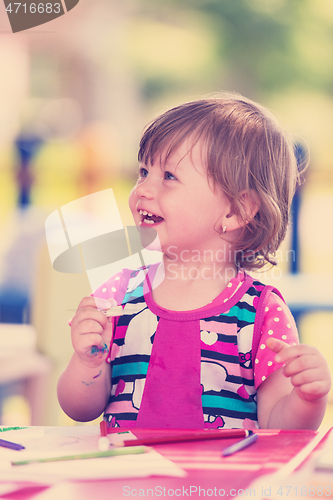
(208, 474)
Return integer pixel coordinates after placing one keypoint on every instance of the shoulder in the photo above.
(121, 283)
(107, 289)
(271, 309)
(268, 297)
(277, 311)
(279, 323)
(115, 284)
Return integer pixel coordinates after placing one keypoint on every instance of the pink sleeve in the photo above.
(278, 323)
(113, 288)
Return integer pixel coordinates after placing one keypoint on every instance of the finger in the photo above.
(286, 352)
(113, 302)
(114, 310)
(305, 377)
(295, 351)
(313, 390)
(89, 326)
(276, 345)
(107, 333)
(89, 313)
(87, 341)
(103, 327)
(301, 364)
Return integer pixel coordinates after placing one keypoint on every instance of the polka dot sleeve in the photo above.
(113, 288)
(278, 323)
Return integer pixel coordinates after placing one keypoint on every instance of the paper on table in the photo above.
(325, 461)
(285, 479)
(60, 441)
(324, 458)
(42, 442)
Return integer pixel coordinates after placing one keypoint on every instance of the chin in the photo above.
(149, 239)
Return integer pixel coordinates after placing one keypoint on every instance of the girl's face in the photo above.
(179, 203)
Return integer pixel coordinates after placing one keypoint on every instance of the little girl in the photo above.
(201, 343)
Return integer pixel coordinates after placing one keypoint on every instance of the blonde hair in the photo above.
(246, 149)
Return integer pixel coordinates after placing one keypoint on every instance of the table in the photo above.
(208, 474)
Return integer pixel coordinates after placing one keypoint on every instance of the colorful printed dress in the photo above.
(192, 369)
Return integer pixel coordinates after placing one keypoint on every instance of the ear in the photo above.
(250, 203)
(245, 208)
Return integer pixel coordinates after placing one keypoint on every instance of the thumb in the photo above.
(113, 302)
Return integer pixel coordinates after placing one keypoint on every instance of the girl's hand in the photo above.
(92, 330)
(306, 366)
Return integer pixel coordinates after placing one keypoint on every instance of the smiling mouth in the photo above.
(149, 218)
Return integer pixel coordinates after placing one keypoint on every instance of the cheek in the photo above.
(132, 200)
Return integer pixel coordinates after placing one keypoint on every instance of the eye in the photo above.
(169, 176)
(143, 172)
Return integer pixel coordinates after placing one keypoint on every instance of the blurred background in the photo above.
(75, 95)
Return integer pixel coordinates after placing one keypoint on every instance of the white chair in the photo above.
(21, 363)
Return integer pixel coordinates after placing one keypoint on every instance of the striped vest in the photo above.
(208, 378)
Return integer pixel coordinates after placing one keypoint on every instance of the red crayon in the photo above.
(103, 428)
(193, 436)
(103, 441)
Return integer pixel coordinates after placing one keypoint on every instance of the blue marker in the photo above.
(9, 444)
(240, 445)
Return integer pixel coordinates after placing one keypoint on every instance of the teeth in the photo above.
(149, 214)
(144, 212)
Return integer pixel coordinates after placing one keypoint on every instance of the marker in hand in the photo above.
(119, 311)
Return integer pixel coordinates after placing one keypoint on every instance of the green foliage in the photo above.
(262, 46)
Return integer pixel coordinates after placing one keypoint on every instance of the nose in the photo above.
(146, 188)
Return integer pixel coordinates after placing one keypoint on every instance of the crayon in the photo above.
(95, 454)
(193, 436)
(12, 446)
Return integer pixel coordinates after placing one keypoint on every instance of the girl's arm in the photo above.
(84, 387)
(295, 396)
(83, 392)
